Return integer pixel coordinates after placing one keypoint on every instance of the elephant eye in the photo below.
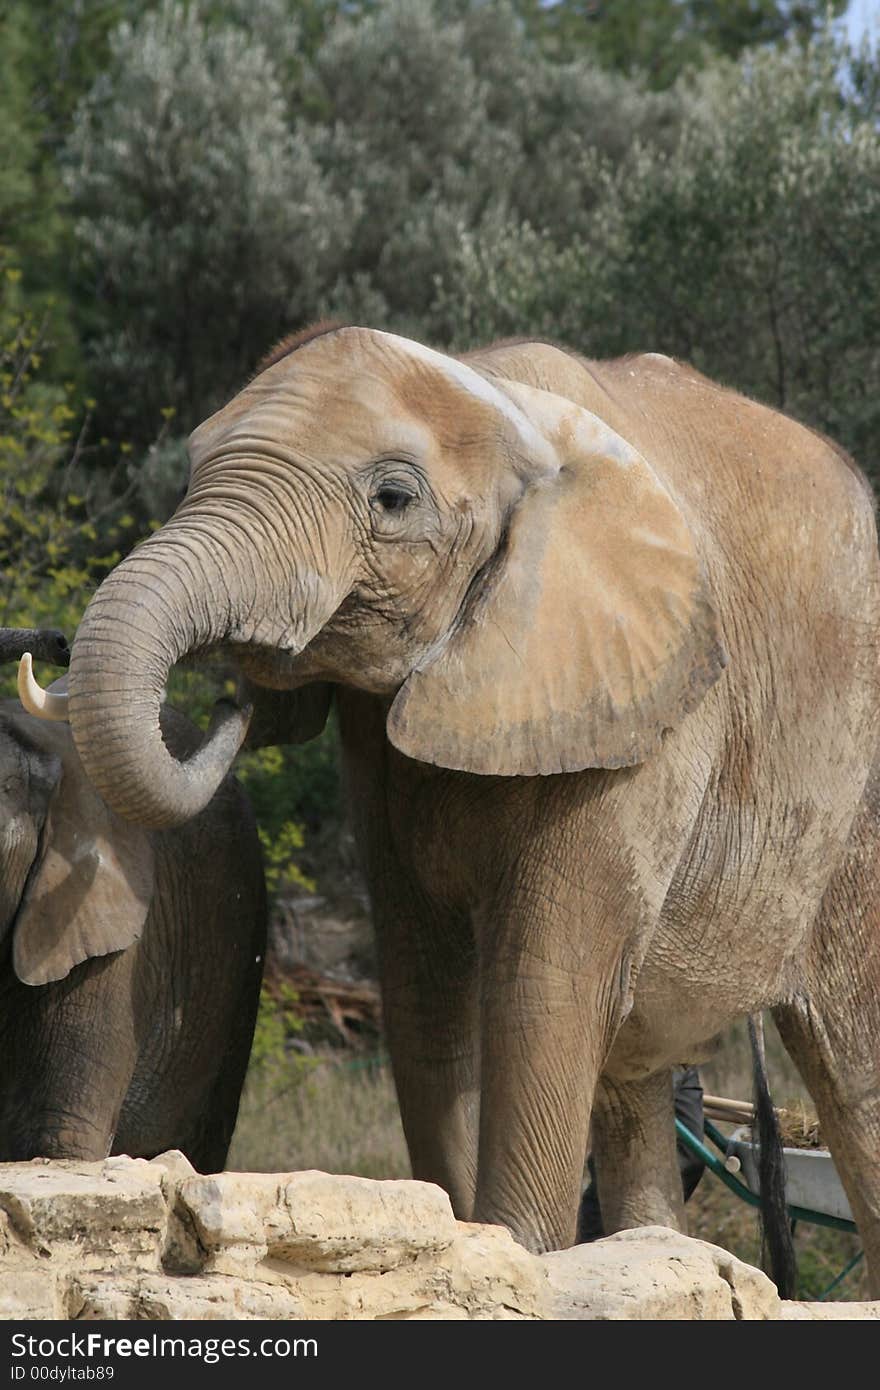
(393, 497)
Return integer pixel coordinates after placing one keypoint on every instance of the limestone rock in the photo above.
(35, 1294)
(91, 1209)
(655, 1273)
(829, 1312)
(317, 1221)
(347, 1224)
(492, 1277)
(176, 1164)
(127, 1239)
(228, 1212)
(161, 1298)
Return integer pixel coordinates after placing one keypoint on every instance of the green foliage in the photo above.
(278, 857)
(436, 166)
(58, 537)
(67, 47)
(660, 39)
(447, 127)
(295, 794)
(33, 228)
(160, 473)
(22, 204)
(232, 181)
(263, 774)
(752, 249)
(203, 220)
(278, 1023)
(294, 783)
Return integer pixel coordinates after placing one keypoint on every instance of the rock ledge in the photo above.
(130, 1239)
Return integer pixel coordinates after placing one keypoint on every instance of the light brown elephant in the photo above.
(604, 641)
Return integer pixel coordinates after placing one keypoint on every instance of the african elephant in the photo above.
(44, 643)
(130, 960)
(604, 642)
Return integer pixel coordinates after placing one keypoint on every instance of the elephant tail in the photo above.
(776, 1239)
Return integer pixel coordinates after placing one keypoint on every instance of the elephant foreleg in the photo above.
(637, 1173)
(68, 1054)
(428, 966)
(429, 999)
(535, 1110)
(550, 1010)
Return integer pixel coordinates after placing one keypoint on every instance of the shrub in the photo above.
(203, 219)
(752, 249)
(61, 527)
(231, 182)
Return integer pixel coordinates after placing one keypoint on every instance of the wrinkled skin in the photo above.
(130, 961)
(604, 643)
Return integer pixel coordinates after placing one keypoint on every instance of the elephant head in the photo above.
(75, 880)
(490, 557)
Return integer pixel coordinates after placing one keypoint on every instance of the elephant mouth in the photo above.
(267, 666)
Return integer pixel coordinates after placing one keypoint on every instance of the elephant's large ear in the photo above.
(592, 631)
(89, 892)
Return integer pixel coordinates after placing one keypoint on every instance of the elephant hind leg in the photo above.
(634, 1151)
(836, 1048)
(832, 1028)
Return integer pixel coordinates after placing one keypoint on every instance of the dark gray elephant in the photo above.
(43, 643)
(130, 960)
(605, 641)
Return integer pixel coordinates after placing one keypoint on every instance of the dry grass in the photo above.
(320, 1112)
(341, 1116)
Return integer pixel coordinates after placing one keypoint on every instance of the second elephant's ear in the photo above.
(89, 892)
(590, 633)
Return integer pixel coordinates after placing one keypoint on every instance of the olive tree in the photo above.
(232, 182)
(752, 248)
(203, 220)
(447, 116)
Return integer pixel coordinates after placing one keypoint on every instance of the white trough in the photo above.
(811, 1179)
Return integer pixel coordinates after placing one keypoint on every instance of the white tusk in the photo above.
(44, 704)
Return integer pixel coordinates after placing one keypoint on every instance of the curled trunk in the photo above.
(166, 600)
